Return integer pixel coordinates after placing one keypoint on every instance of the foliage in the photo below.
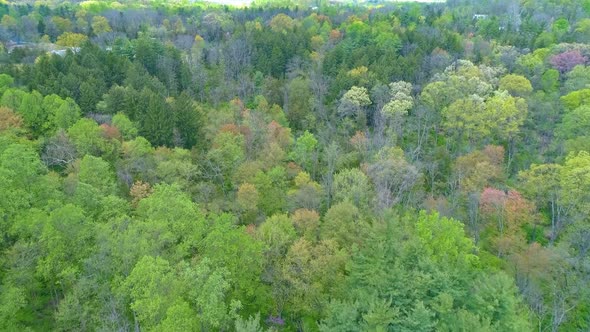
(71, 39)
(296, 166)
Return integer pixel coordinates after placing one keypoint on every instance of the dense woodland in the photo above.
(295, 166)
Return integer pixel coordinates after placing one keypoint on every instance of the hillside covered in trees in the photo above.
(177, 166)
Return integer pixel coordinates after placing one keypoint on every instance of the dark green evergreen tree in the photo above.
(156, 121)
(188, 122)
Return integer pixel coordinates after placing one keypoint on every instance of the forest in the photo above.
(295, 166)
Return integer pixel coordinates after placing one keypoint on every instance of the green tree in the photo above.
(90, 93)
(229, 247)
(313, 273)
(542, 184)
(20, 184)
(272, 187)
(152, 289)
(278, 233)
(5, 82)
(352, 185)
(500, 117)
(341, 316)
(226, 155)
(573, 128)
(12, 302)
(172, 224)
(550, 80)
(298, 106)
(127, 128)
(100, 25)
(577, 79)
(188, 122)
(97, 173)
(87, 137)
(344, 224)
(413, 269)
(209, 292)
(12, 98)
(60, 113)
(353, 104)
(252, 324)
(66, 240)
(31, 109)
(576, 99)
(156, 122)
(71, 39)
(247, 199)
(516, 85)
(304, 152)
(574, 178)
(179, 317)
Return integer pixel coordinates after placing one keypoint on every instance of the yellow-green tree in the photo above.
(71, 39)
(100, 25)
(498, 118)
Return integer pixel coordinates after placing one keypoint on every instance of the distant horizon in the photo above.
(248, 2)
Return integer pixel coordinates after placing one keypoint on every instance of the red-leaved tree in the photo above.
(504, 213)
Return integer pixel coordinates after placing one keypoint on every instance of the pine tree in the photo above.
(188, 122)
(156, 122)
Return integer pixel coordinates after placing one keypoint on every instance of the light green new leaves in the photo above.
(20, 171)
(208, 289)
(127, 128)
(98, 174)
(31, 109)
(152, 288)
(575, 181)
(574, 129)
(499, 117)
(516, 85)
(5, 82)
(352, 185)
(304, 151)
(64, 242)
(358, 96)
(171, 221)
(12, 300)
(444, 240)
(576, 99)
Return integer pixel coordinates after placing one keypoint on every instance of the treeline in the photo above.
(407, 167)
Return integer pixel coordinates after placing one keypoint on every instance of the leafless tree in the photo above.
(59, 151)
(236, 56)
(29, 28)
(296, 67)
(245, 86)
(115, 18)
(394, 178)
(330, 156)
(319, 87)
(168, 68)
(380, 95)
(184, 42)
